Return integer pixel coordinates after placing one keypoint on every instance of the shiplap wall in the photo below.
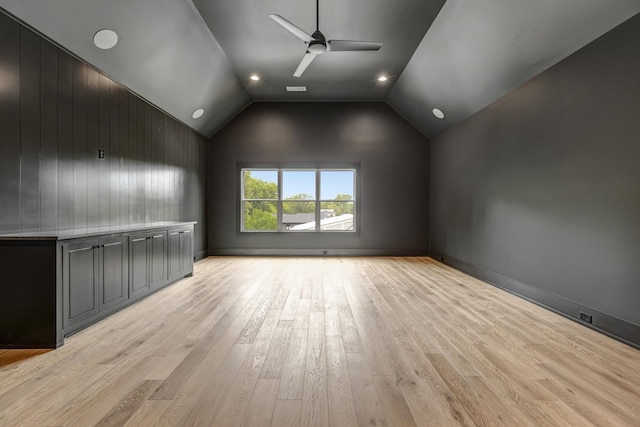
(56, 112)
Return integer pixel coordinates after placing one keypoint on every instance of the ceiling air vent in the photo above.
(296, 88)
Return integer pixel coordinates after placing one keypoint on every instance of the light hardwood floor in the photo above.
(327, 342)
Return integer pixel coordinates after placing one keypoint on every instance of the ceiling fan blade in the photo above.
(306, 60)
(301, 34)
(351, 45)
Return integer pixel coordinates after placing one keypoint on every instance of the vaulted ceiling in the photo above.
(458, 56)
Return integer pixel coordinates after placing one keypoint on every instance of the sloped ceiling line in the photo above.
(458, 55)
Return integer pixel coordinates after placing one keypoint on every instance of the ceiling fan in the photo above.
(317, 44)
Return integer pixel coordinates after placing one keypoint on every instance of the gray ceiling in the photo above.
(255, 44)
(458, 56)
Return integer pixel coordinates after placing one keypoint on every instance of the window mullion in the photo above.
(317, 198)
(279, 207)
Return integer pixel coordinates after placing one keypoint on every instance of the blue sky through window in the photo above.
(298, 182)
(268, 176)
(333, 182)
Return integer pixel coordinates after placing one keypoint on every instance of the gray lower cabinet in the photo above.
(180, 253)
(83, 276)
(158, 260)
(147, 262)
(94, 278)
(138, 265)
(79, 282)
(114, 278)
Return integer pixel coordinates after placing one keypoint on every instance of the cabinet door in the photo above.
(175, 254)
(158, 259)
(186, 260)
(79, 281)
(138, 265)
(113, 266)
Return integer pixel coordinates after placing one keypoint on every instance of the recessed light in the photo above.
(438, 113)
(198, 113)
(254, 77)
(383, 78)
(105, 38)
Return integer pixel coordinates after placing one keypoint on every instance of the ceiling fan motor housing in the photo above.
(317, 47)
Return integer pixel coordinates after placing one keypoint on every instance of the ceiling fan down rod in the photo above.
(317, 15)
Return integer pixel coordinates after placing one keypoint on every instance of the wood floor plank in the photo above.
(315, 406)
(238, 395)
(350, 335)
(430, 399)
(293, 298)
(560, 412)
(261, 406)
(471, 401)
(17, 406)
(262, 339)
(326, 341)
(118, 387)
(128, 406)
(286, 413)
(625, 412)
(194, 359)
(293, 372)
(373, 344)
(148, 414)
(368, 406)
(317, 288)
(210, 398)
(303, 313)
(341, 408)
(163, 366)
(393, 402)
(331, 317)
(11, 357)
(277, 353)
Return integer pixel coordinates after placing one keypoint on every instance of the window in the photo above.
(298, 200)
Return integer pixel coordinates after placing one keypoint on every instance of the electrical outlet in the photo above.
(100, 153)
(586, 317)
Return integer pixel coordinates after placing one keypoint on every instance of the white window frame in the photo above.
(317, 199)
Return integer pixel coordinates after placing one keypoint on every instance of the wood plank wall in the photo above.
(56, 112)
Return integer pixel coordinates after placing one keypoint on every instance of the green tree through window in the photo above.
(300, 205)
(340, 208)
(260, 206)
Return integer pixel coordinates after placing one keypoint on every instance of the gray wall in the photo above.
(393, 158)
(55, 112)
(540, 192)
